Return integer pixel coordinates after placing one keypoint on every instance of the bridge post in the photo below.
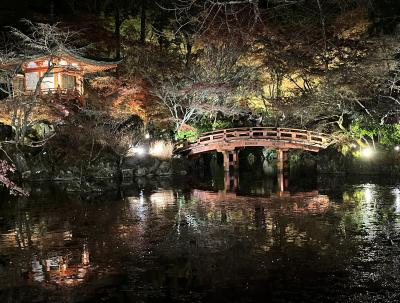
(231, 182)
(235, 159)
(231, 158)
(283, 182)
(281, 160)
(201, 168)
(225, 153)
(227, 181)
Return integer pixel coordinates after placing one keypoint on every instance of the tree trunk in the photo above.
(323, 29)
(117, 19)
(143, 22)
(51, 12)
(188, 53)
(279, 82)
(95, 7)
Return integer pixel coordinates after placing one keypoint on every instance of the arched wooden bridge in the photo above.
(228, 141)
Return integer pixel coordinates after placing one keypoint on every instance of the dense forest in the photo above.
(189, 66)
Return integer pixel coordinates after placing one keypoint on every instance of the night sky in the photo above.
(386, 13)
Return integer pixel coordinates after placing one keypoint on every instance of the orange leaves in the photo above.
(119, 96)
(186, 127)
(352, 24)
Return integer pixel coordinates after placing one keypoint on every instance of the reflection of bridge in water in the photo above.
(302, 201)
(311, 201)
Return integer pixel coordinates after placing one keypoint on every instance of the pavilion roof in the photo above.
(88, 65)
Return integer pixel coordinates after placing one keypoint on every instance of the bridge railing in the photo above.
(299, 136)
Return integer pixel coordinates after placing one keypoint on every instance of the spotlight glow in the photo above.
(397, 148)
(140, 151)
(157, 149)
(161, 149)
(147, 136)
(367, 152)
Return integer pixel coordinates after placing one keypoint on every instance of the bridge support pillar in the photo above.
(231, 158)
(235, 159)
(282, 163)
(225, 153)
(283, 182)
(231, 182)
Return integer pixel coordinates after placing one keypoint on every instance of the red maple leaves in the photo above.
(6, 168)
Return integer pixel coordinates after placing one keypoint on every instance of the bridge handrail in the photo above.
(260, 128)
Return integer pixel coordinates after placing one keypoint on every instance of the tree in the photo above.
(225, 15)
(218, 82)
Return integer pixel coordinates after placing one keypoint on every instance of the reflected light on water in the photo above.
(159, 245)
(158, 200)
(67, 235)
(297, 202)
(37, 270)
(141, 197)
(85, 255)
(369, 193)
(368, 209)
(396, 194)
(162, 199)
(137, 205)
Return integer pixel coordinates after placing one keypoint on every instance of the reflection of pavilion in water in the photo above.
(64, 270)
(54, 267)
(300, 201)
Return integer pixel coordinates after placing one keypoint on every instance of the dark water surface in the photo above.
(320, 240)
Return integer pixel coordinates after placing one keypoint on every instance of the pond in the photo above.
(317, 239)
